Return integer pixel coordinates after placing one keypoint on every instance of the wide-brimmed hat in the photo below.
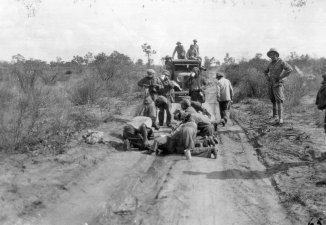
(273, 50)
(220, 74)
(150, 72)
(178, 43)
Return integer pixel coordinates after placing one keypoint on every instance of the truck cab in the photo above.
(180, 70)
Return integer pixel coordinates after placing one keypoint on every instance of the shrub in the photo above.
(85, 92)
(295, 89)
(27, 73)
(20, 120)
(50, 77)
(251, 84)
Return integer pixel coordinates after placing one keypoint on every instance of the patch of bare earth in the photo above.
(294, 153)
(35, 184)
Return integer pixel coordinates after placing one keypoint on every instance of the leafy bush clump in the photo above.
(85, 92)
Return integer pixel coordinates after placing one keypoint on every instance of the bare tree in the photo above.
(149, 52)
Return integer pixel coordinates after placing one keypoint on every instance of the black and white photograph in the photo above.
(162, 112)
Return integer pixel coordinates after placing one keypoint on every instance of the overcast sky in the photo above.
(74, 27)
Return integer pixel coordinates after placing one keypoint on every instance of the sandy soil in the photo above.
(295, 153)
(100, 184)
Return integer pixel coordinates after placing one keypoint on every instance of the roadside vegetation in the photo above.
(294, 153)
(247, 76)
(44, 104)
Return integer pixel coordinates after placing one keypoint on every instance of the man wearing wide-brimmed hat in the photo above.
(192, 53)
(224, 96)
(196, 46)
(276, 73)
(180, 50)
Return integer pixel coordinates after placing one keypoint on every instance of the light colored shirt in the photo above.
(278, 70)
(137, 121)
(197, 48)
(224, 90)
(200, 118)
(180, 51)
(192, 53)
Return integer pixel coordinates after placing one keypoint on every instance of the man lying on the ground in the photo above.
(183, 138)
(138, 132)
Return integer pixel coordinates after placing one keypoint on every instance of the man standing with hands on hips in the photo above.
(224, 96)
(276, 73)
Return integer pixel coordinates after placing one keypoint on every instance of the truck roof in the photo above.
(185, 62)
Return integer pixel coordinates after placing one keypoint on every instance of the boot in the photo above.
(214, 152)
(274, 110)
(202, 152)
(215, 126)
(156, 126)
(215, 140)
(280, 112)
(205, 112)
(126, 145)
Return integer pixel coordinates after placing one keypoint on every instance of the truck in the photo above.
(180, 70)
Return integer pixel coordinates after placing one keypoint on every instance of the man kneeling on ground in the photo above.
(183, 138)
(194, 107)
(137, 133)
(203, 123)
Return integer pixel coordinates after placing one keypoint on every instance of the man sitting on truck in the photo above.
(180, 50)
(192, 53)
(196, 45)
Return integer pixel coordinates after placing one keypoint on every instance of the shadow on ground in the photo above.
(248, 174)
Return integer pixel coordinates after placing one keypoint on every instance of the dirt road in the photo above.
(135, 188)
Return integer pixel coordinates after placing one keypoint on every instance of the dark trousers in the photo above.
(224, 108)
(195, 96)
(167, 145)
(205, 129)
(166, 107)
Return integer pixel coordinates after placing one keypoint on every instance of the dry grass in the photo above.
(44, 107)
(38, 117)
(87, 91)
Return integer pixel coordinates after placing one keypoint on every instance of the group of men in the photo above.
(192, 53)
(193, 120)
(192, 128)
